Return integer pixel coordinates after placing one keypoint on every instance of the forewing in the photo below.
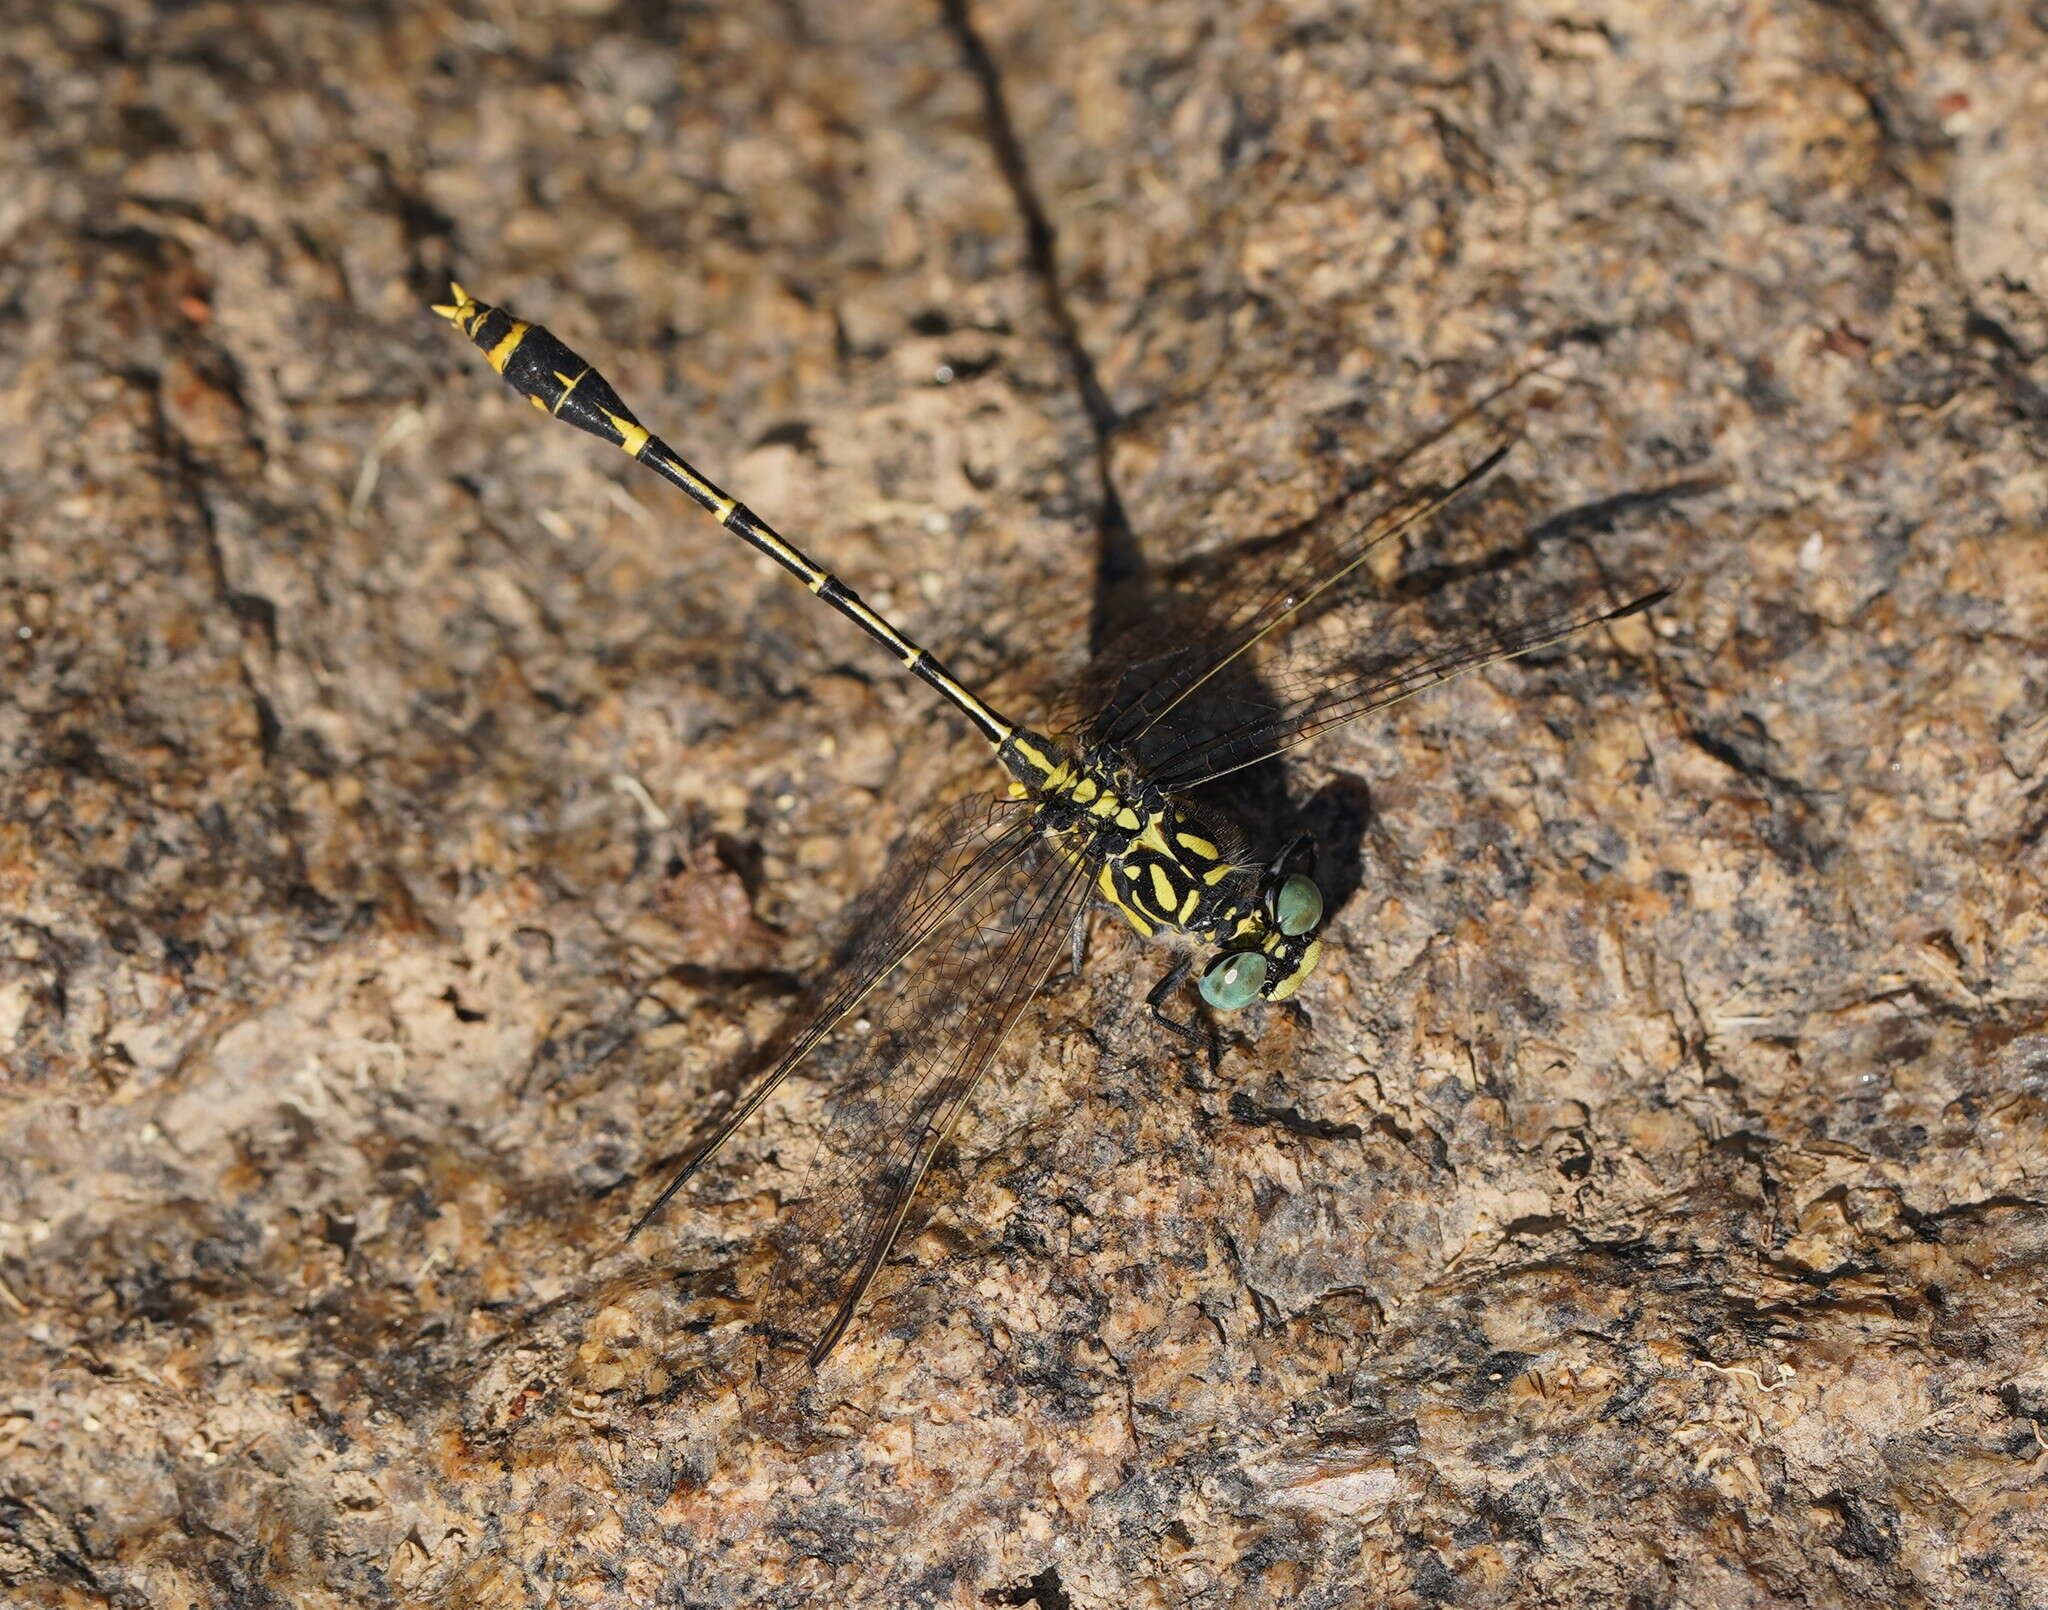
(941, 873)
(923, 1041)
(1191, 668)
(1350, 664)
(1319, 626)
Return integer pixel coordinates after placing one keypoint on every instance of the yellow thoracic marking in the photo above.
(632, 437)
(1137, 919)
(1107, 806)
(1151, 838)
(1162, 889)
(1200, 846)
(508, 343)
(1245, 925)
(1217, 873)
(1127, 819)
(1187, 907)
(1085, 790)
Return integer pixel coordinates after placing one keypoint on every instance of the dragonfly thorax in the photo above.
(1173, 867)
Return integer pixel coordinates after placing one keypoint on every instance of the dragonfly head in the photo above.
(1275, 947)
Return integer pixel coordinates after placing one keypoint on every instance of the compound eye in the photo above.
(1298, 906)
(1234, 980)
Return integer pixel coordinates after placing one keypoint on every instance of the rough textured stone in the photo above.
(410, 819)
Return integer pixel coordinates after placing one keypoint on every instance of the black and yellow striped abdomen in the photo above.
(541, 368)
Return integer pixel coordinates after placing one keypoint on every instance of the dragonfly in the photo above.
(1106, 804)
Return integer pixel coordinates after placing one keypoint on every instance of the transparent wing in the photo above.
(926, 1038)
(946, 868)
(1409, 650)
(1192, 666)
(1327, 625)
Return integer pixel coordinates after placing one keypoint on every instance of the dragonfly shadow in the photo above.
(1576, 525)
(1219, 663)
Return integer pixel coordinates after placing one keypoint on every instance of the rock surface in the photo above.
(411, 818)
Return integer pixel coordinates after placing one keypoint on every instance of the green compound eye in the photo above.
(1298, 906)
(1234, 980)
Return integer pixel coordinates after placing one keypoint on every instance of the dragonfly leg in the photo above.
(1077, 936)
(1155, 998)
(1077, 948)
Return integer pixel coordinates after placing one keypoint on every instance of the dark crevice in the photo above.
(1246, 1111)
(2009, 365)
(1044, 1590)
(1117, 558)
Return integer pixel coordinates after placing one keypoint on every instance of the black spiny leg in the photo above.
(1297, 854)
(1194, 1033)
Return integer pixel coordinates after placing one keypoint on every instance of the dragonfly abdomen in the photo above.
(540, 366)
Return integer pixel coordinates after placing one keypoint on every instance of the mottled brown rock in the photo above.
(410, 820)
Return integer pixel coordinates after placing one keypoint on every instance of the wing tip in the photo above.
(668, 1193)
